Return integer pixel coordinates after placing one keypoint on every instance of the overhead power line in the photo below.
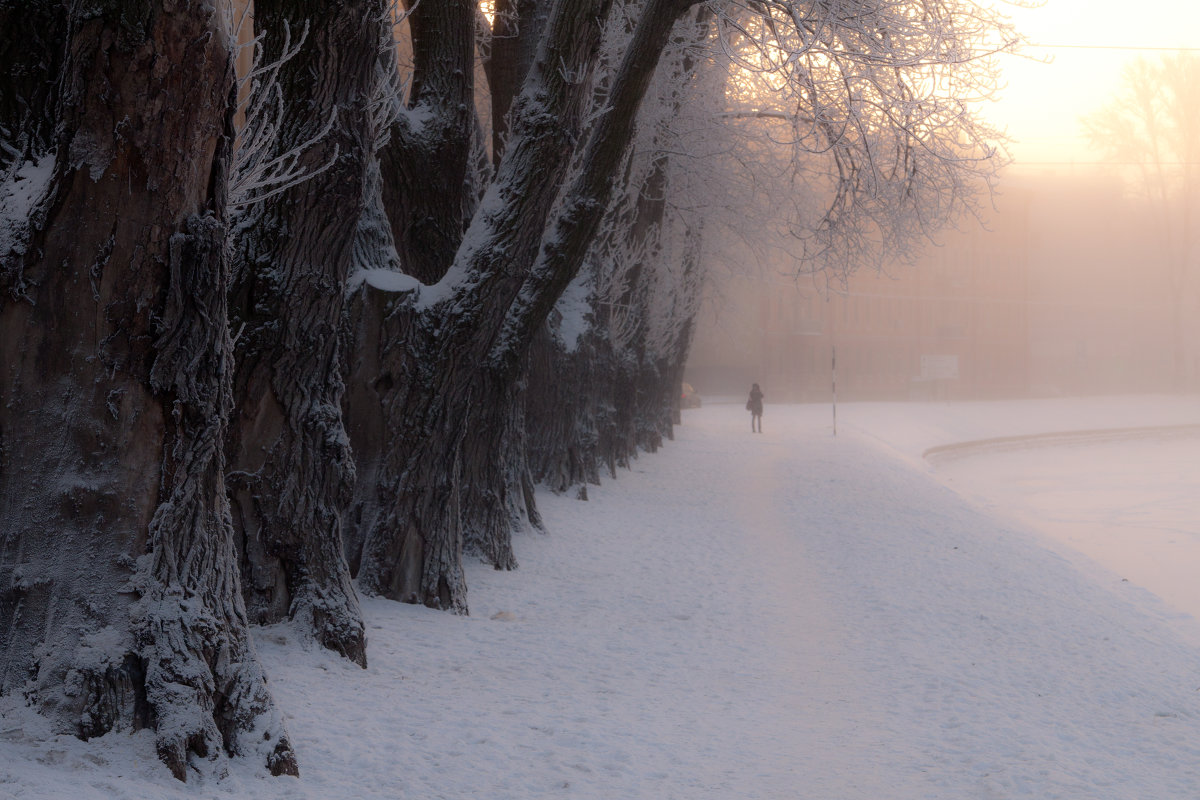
(1114, 47)
(1107, 163)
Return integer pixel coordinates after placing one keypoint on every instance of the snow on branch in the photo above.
(258, 171)
(386, 102)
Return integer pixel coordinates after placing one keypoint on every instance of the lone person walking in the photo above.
(754, 406)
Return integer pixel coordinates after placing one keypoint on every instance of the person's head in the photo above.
(755, 387)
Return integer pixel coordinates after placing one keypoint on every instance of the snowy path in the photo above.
(785, 616)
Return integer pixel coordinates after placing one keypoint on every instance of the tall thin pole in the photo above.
(833, 348)
(834, 390)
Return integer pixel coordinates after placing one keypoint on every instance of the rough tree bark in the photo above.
(498, 489)
(426, 162)
(622, 396)
(468, 348)
(515, 35)
(413, 550)
(291, 468)
(424, 190)
(430, 146)
(564, 413)
(120, 602)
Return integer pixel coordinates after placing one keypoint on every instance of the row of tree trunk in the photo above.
(247, 366)
(274, 335)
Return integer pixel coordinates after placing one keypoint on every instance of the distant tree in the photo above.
(1153, 122)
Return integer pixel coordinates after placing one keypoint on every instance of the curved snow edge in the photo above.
(1004, 443)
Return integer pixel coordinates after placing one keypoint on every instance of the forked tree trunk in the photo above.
(426, 162)
(466, 351)
(498, 496)
(292, 471)
(120, 601)
(443, 387)
(423, 190)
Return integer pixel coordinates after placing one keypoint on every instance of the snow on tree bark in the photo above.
(120, 602)
(582, 207)
(292, 470)
(412, 550)
(426, 162)
(516, 32)
(428, 194)
(30, 49)
(640, 303)
(619, 427)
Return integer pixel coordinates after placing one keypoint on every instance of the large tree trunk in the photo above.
(467, 350)
(498, 495)
(563, 411)
(426, 161)
(413, 549)
(496, 498)
(120, 601)
(292, 471)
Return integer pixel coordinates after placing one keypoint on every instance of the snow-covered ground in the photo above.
(787, 615)
(1115, 479)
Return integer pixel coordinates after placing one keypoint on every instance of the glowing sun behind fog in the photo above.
(1087, 42)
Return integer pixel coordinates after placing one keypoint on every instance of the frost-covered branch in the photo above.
(618, 268)
(258, 171)
(854, 123)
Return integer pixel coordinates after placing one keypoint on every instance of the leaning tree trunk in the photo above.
(292, 471)
(497, 488)
(120, 601)
(468, 349)
(439, 388)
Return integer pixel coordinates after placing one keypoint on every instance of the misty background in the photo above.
(1066, 289)
(1079, 278)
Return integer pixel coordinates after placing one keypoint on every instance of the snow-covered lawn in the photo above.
(785, 615)
(1125, 494)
